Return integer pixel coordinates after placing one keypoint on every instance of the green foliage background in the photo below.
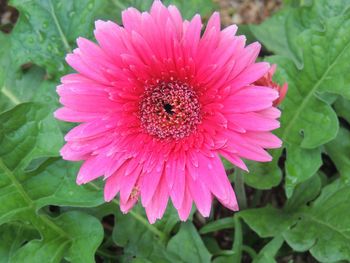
(46, 217)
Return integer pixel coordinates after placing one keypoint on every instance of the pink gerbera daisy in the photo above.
(160, 103)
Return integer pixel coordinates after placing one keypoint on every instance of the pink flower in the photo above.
(159, 104)
(267, 81)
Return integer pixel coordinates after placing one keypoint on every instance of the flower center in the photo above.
(170, 110)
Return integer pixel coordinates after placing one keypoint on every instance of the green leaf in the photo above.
(267, 221)
(190, 8)
(324, 227)
(5, 59)
(79, 237)
(133, 232)
(217, 225)
(280, 33)
(275, 37)
(111, 10)
(28, 132)
(317, 39)
(269, 251)
(264, 175)
(318, 75)
(223, 259)
(46, 30)
(188, 245)
(20, 87)
(339, 151)
(12, 237)
(304, 193)
(301, 164)
(342, 108)
(60, 188)
(304, 112)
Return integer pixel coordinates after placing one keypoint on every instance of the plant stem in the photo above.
(240, 190)
(238, 241)
(256, 198)
(251, 252)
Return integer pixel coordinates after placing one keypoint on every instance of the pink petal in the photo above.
(150, 181)
(201, 195)
(157, 206)
(253, 121)
(91, 169)
(89, 130)
(250, 99)
(178, 188)
(251, 74)
(186, 207)
(70, 115)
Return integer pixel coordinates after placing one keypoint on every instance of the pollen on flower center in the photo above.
(170, 110)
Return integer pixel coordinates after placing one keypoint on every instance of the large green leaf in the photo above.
(73, 235)
(139, 239)
(342, 108)
(12, 237)
(301, 164)
(260, 175)
(280, 33)
(264, 175)
(5, 59)
(188, 245)
(46, 30)
(324, 227)
(20, 87)
(267, 221)
(304, 110)
(28, 132)
(270, 222)
(339, 151)
(268, 252)
(304, 193)
(59, 177)
(312, 42)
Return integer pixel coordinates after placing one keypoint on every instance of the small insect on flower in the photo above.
(160, 103)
